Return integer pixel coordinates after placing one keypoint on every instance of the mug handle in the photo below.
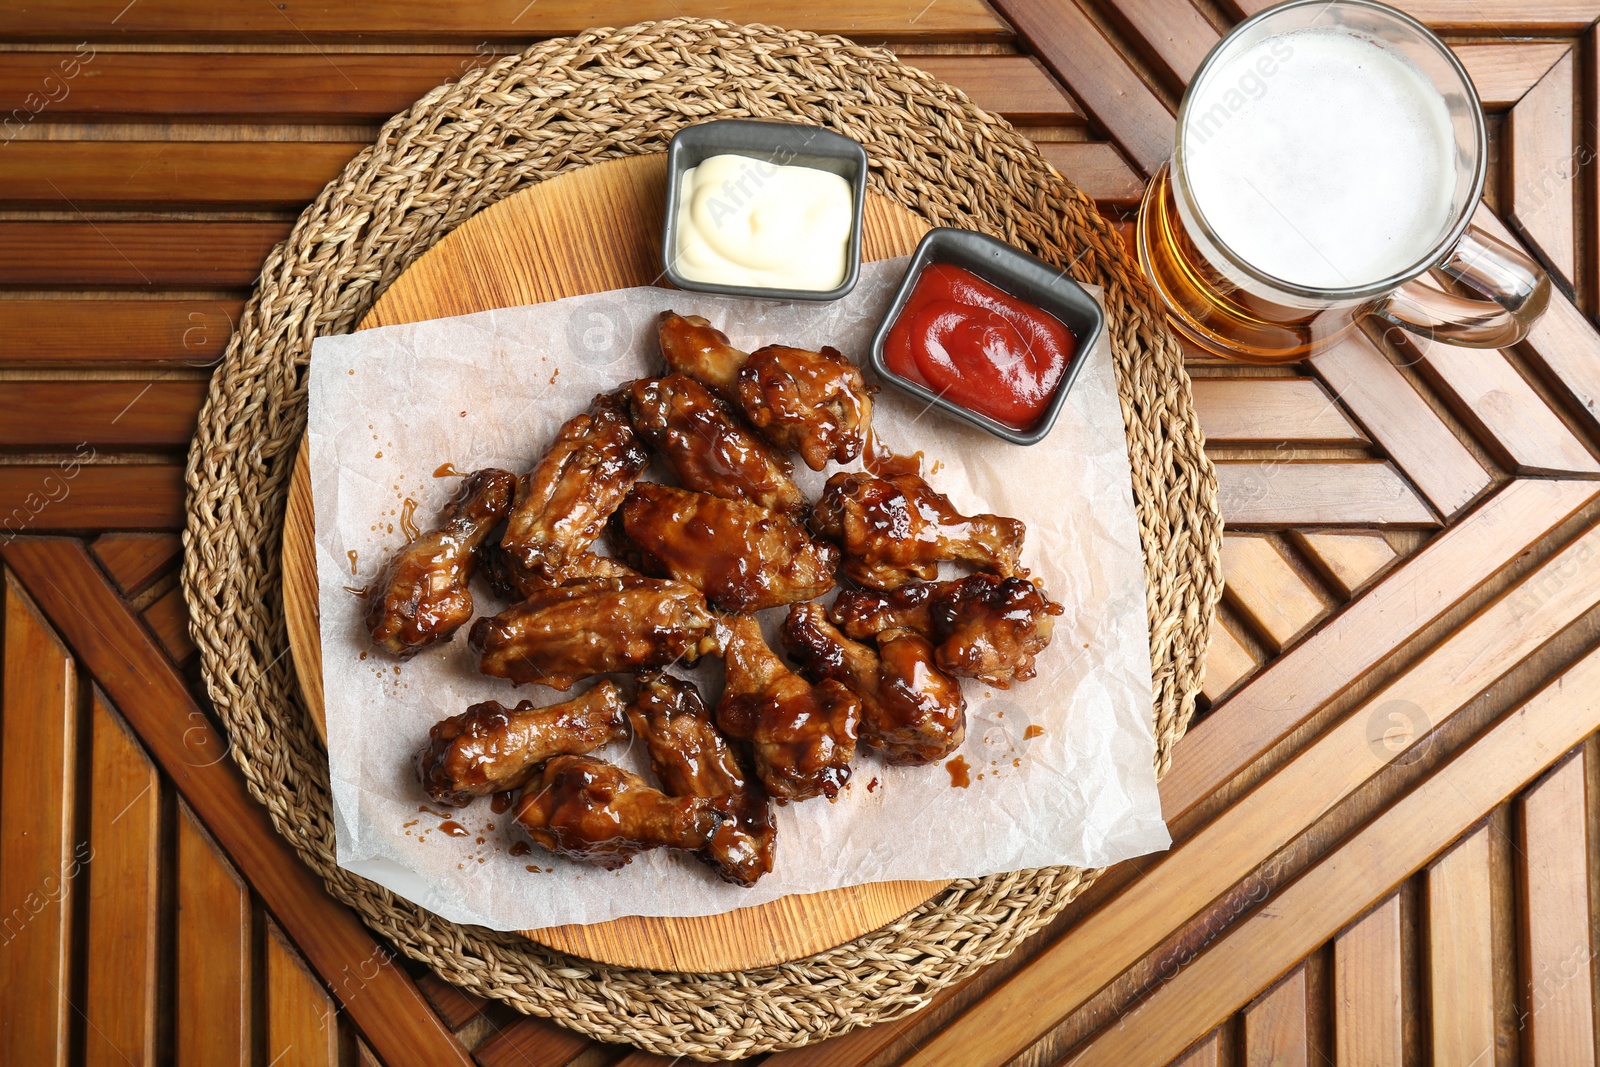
(1516, 289)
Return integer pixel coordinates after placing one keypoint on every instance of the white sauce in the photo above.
(745, 222)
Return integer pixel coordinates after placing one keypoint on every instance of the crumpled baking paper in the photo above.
(1060, 766)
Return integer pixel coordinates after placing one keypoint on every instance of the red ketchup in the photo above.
(978, 346)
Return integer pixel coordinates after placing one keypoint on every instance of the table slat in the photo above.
(302, 1020)
(1461, 953)
(1275, 1027)
(1368, 996)
(211, 988)
(78, 331)
(1347, 560)
(1542, 158)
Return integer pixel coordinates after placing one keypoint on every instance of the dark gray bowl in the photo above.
(783, 143)
(1022, 276)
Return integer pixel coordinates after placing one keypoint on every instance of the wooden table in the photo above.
(1386, 816)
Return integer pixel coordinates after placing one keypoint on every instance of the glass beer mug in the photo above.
(1328, 160)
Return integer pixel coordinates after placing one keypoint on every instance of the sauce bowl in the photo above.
(1047, 288)
(782, 143)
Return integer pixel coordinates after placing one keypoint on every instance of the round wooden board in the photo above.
(594, 229)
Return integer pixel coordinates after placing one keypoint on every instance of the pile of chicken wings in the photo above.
(689, 565)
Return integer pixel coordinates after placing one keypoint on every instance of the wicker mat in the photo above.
(560, 105)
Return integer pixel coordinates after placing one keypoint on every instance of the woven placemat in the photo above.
(560, 105)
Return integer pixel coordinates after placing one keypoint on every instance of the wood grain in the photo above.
(531, 1043)
(68, 495)
(1275, 494)
(1207, 1052)
(90, 254)
(1374, 391)
(1368, 996)
(1265, 587)
(39, 864)
(1275, 1027)
(1542, 164)
(212, 979)
(1505, 19)
(1261, 411)
(1557, 917)
(1349, 878)
(587, 231)
(1228, 662)
(120, 991)
(1288, 691)
(155, 700)
(302, 1023)
(76, 331)
(1171, 34)
(1461, 953)
(1347, 561)
(130, 414)
(1098, 169)
(1015, 87)
(168, 619)
(1503, 73)
(134, 560)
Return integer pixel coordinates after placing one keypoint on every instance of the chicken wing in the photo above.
(910, 710)
(512, 584)
(803, 736)
(572, 631)
(586, 809)
(490, 748)
(707, 446)
(985, 627)
(422, 597)
(897, 530)
(564, 502)
(742, 556)
(692, 346)
(813, 403)
(692, 759)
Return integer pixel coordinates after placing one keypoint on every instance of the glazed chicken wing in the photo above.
(422, 596)
(512, 584)
(692, 346)
(490, 748)
(707, 446)
(572, 631)
(897, 530)
(586, 809)
(813, 403)
(986, 627)
(803, 736)
(910, 710)
(692, 759)
(564, 502)
(742, 556)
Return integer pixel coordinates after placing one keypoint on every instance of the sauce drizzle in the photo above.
(960, 773)
(408, 522)
(448, 470)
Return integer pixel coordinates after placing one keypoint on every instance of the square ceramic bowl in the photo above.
(1045, 287)
(784, 143)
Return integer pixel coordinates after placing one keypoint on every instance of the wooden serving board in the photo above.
(588, 231)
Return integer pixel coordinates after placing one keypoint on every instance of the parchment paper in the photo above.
(1061, 766)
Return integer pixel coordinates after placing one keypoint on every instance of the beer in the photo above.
(1327, 154)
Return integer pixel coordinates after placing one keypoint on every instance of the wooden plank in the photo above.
(71, 496)
(1318, 493)
(1263, 585)
(1076, 51)
(1219, 855)
(120, 987)
(115, 331)
(1347, 560)
(1368, 1027)
(1565, 346)
(531, 1042)
(1378, 395)
(170, 175)
(1275, 1027)
(1307, 912)
(1541, 160)
(455, 1005)
(1174, 36)
(160, 20)
(302, 1020)
(153, 697)
(87, 254)
(1460, 951)
(1015, 87)
(1098, 169)
(39, 863)
(1207, 1052)
(1504, 19)
(168, 619)
(41, 414)
(1228, 662)
(1411, 597)
(134, 560)
(1503, 73)
(1260, 411)
(1504, 411)
(212, 973)
(1557, 918)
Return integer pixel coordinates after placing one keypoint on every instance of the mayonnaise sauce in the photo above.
(742, 221)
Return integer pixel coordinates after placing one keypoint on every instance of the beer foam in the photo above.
(1322, 158)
